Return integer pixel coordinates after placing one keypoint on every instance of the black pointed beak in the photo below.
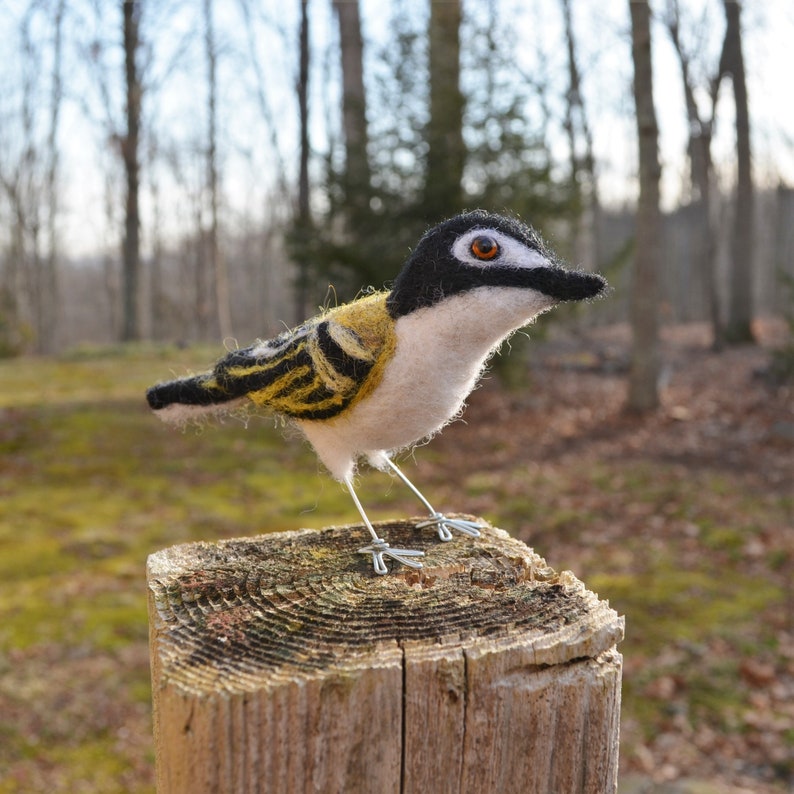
(566, 285)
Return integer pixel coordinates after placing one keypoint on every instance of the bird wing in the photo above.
(318, 369)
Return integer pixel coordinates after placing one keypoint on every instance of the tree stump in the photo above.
(283, 664)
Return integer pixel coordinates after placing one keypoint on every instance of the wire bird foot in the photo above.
(379, 549)
(444, 526)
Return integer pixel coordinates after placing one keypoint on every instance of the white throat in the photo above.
(441, 351)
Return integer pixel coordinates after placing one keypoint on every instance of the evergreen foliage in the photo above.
(417, 174)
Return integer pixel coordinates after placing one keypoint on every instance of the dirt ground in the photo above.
(703, 488)
(683, 519)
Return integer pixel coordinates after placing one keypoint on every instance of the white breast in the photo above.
(441, 351)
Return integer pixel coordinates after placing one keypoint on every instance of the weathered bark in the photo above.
(283, 663)
(740, 305)
(29, 305)
(49, 305)
(356, 182)
(130, 145)
(303, 221)
(158, 302)
(701, 172)
(644, 373)
(446, 153)
(583, 172)
(217, 262)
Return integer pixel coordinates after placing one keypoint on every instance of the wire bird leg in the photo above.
(443, 525)
(379, 548)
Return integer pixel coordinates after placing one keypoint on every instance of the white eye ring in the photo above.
(509, 251)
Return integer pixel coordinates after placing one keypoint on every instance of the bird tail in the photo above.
(184, 399)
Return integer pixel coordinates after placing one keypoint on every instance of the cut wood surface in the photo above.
(282, 663)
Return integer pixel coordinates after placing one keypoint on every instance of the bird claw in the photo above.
(444, 526)
(379, 549)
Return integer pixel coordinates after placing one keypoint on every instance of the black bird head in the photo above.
(479, 249)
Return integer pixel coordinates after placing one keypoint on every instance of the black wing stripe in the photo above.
(354, 368)
(240, 385)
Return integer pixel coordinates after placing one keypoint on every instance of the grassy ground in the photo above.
(682, 520)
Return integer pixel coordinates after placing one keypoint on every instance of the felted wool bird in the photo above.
(390, 369)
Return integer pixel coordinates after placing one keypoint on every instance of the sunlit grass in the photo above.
(91, 483)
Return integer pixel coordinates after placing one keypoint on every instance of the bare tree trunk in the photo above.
(354, 105)
(217, 262)
(110, 269)
(446, 153)
(157, 298)
(22, 184)
(202, 313)
(21, 190)
(303, 222)
(644, 374)
(740, 306)
(701, 172)
(130, 150)
(271, 121)
(18, 299)
(583, 176)
(49, 305)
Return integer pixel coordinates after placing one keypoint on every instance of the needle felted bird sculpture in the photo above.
(369, 378)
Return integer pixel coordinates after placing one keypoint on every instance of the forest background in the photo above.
(177, 176)
(186, 171)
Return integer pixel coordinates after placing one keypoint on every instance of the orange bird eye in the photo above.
(484, 247)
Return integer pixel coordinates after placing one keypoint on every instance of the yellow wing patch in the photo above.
(321, 368)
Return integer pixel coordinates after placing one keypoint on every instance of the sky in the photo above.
(602, 31)
(603, 36)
